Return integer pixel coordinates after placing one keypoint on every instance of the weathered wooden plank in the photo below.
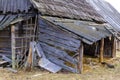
(56, 37)
(69, 41)
(4, 63)
(57, 53)
(64, 42)
(6, 59)
(61, 34)
(52, 58)
(13, 45)
(59, 45)
(80, 58)
(65, 67)
(39, 51)
(113, 47)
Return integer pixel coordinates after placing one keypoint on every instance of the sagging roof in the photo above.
(14, 6)
(88, 32)
(109, 13)
(72, 9)
(6, 20)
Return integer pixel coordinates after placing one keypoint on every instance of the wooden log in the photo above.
(4, 63)
(80, 58)
(13, 46)
(101, 50)
(113, 47)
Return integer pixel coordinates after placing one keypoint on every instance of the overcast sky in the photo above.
(115, 3)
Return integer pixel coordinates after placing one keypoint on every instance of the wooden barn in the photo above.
(70, 29)
(17, 30)
(54, 34)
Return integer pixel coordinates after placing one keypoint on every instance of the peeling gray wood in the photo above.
(57, 53)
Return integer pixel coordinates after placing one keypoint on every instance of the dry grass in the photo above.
(96, 72)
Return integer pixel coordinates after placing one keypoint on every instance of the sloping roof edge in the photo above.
(88, 37)
(6, 20)
(109, 13)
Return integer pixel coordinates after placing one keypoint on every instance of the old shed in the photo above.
(17, 30)
(53, 34)
(69, 29)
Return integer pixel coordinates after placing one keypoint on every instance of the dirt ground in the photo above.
(92, 71)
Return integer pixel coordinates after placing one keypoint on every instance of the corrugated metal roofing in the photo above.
(14, 6)
(109, 13)
(6, 20)
(89, 32)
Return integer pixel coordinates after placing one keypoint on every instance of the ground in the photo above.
(92, 71)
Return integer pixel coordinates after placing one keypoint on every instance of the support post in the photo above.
(29, 63)
(13, 46)
(113, 47)
(101, 50)
(118, 45)
(80, 58)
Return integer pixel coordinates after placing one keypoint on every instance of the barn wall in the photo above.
(5, 42)
(24, 34)
(58, 38)
(58, 45)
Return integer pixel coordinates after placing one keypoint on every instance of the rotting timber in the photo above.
(15, 41)
(61, 41)
(61, 45)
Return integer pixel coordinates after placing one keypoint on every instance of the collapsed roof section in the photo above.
(88, 32)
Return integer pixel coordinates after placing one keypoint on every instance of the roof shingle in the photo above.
(73, 9)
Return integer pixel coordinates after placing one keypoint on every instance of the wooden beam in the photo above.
(102, 50)
(13, 46)
(80, 58)
(118, 45)
(113, 47)
(28, 66)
